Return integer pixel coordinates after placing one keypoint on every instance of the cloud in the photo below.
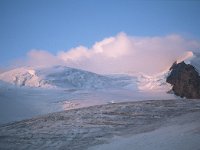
(120, 54)
(41, 58)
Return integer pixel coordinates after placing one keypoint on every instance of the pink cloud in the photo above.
(120, 54)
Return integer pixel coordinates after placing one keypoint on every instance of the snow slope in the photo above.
(154, 83)
(145, 125)
(59, 77)
(28, 92)
(71, 78)
(195, 61)
(180, 133)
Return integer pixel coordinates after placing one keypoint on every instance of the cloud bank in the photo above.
(120, 54)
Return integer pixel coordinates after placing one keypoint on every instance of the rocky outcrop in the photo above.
(185, 80)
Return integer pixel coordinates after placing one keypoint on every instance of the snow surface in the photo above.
(61, 77)
(20, 103)
(183, 133)
(195, 61)
(152, 125)
(68, 78)
(28, 92)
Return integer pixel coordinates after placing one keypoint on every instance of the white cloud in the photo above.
(41, 58)
(120, 54)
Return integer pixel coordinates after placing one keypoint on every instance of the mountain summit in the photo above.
(185, 80)
(61, 77)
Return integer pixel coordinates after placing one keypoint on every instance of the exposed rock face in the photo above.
(185, 80)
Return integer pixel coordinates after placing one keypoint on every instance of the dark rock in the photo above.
(185, 80)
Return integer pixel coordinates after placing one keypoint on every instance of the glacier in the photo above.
(61, 107)
(27, 92)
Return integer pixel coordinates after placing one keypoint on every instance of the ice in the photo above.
(174, 136)
(29, 92)
(152, 125)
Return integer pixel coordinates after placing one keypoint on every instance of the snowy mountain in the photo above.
(71, 78)
(195, 61)
(62, 77)
(23, 77)
(154, 83)
(61, 88)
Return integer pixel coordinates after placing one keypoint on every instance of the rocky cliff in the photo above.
(185, 80)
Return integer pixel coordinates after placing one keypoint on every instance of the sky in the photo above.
(56, 27)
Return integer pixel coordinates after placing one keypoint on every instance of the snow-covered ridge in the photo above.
(65, 77)
(158, 82)
(195, 61)
(62, 77)
(154, 83)
(23, 77)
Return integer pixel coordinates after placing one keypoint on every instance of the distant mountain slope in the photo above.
(71, 78)
(65, 77)
(62, 77)
(195, 61)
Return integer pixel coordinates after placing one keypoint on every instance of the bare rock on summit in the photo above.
(185, 80)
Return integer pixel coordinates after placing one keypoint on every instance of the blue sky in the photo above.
(55, 25)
